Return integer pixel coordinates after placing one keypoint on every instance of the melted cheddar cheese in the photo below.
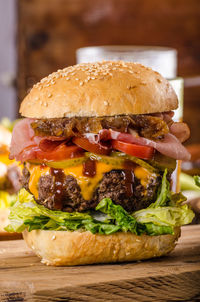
(87, 184)
(142, 174)
(35, 173)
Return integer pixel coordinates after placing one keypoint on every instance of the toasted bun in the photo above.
(99, 89)
(76, 248)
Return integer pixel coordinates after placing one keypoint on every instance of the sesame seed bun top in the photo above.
(99, 89)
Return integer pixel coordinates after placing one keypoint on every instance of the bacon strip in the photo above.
(25, 144)
(181, 131)
(169, 146)
(22, 137)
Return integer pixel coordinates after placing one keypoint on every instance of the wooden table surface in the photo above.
(172, 278)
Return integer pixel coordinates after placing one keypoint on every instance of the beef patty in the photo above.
(113, 185)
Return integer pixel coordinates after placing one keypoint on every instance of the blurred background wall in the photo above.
(50, 31)
(8, 58)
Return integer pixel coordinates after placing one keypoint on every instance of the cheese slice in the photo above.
(87, 184)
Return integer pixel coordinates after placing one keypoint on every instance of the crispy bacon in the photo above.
(25, 144)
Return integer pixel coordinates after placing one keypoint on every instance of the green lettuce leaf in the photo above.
(27, 212)
(125, 221)
(107, 219)
(154, 230)
(101, 228)
(165, 216)
(163, 193)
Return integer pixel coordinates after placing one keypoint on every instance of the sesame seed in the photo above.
(49, 95)
(105, 103)
(81, 83)
(36, 98)
(53, 237)
(91, 71)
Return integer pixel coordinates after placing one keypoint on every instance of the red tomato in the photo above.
(91, 147)
(144, 152)
(59, 153)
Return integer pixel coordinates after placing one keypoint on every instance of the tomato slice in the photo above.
(144, 152)
(59, 153)
(91, 147)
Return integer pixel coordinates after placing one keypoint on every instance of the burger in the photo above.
(9, 178)
(99, 147)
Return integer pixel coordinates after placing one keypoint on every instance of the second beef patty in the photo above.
(113, 185)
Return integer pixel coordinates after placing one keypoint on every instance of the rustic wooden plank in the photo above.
(9, 236)
(176, 277)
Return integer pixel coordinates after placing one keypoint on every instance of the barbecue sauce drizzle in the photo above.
(129, 176)
(89, 170)
(59, 187)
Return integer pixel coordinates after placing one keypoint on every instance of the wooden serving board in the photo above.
(9, 236)
(172, 278)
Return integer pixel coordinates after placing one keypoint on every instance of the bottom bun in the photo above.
(76, 248)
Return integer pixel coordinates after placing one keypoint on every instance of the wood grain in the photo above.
(172, 278)
(9, 236)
